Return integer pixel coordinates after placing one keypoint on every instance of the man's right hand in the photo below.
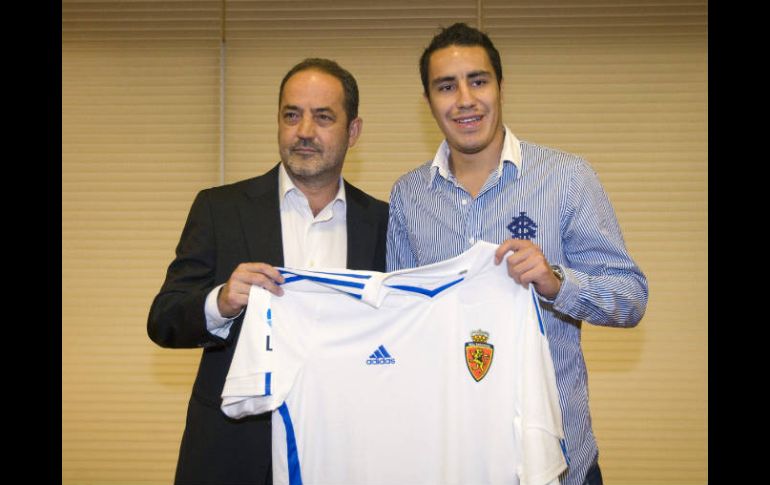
(235, 294)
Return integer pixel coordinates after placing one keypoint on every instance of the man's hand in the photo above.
(527, 265)
(235, 294)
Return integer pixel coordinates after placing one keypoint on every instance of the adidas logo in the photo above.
(380, 357)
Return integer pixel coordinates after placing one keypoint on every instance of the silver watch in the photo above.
(558, 272)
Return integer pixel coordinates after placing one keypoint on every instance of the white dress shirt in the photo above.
(308, 241)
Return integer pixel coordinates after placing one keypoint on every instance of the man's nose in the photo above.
(306, 127)
(465, 98)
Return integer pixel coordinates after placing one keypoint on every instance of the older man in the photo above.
(299, 214)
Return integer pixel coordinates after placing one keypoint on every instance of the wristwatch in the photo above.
(558, 272)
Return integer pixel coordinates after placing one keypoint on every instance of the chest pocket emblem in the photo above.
(522, 227)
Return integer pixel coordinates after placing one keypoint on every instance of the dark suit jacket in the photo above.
(229, 225)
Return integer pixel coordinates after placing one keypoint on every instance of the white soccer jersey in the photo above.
(434, 375)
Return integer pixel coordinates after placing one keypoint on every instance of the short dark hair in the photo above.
(464, 35)
(349, 85)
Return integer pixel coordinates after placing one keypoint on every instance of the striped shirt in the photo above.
(556, 200)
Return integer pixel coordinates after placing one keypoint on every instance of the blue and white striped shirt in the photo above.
(556, 200)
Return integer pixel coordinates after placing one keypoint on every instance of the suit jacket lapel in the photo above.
(362, 233)
(261, 220)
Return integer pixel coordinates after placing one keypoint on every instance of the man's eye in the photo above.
(445, 87)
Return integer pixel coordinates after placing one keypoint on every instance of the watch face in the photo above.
(558, 272)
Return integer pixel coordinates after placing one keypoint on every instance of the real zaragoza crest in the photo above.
(478, 354)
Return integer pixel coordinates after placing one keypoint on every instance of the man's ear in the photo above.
(354, 130)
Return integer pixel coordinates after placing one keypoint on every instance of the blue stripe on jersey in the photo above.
(346, 275)
(295, 475)
(537, 310)
(268, 382)
(423, 291)
(384, 352)
(564, 450)
(376, 355)
(319, 279)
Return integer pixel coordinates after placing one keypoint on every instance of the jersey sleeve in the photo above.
(539, 425)
(249, 384)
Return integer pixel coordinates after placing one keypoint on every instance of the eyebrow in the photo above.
(470, 75)
(322, 109)
(479, 73)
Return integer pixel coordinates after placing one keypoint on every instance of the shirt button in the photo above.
(465, 201)
(472, 240)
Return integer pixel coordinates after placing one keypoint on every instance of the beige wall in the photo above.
(622, 83)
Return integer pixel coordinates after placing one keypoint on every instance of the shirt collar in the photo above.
(286, 187)
(511, 154)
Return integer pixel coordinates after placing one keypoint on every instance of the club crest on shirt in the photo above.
(478, 354)
(522, 227)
